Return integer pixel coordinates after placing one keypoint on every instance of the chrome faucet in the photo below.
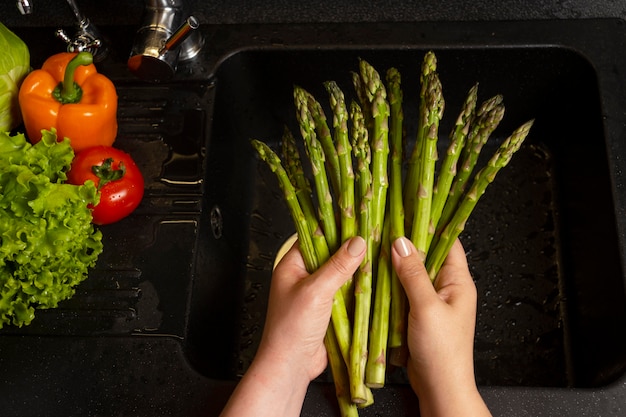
(164, 38)
(86, 38)
(24, 6)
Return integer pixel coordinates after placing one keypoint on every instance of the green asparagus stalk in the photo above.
(369, 401)
(482, 179)
(396, 135)
(316, 157)
(295, 172)
(344, 152)
(326, 139)
(397, 321)
(302, 227)
(488, 116)
(428, 157)
(429, 66)
(341, 323)
(376, 95)
(363, 276)
(346, 175)
(340, 375)
(361, 92)
(303, 192)
(448, 168)
(379, 328)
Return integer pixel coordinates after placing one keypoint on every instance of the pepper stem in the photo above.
(68, 91)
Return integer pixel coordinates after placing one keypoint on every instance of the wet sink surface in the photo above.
(142, 281)
(187, 275)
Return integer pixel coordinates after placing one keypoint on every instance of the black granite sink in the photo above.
(550, 313)
(174, 310)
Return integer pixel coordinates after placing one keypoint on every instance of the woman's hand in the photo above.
(440, 335)
(300, 305)
(292, 351)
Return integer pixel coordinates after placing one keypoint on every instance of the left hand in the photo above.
(300, 307)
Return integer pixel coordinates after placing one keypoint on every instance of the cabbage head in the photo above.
(14, 66)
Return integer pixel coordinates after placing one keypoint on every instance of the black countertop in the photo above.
(56, 12)
(68, 377)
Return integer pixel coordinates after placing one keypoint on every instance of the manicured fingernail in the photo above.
(401, 245)
(356, 246)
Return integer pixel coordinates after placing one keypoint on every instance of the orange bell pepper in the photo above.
(68, 94)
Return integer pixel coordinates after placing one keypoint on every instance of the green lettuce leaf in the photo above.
(47, 240)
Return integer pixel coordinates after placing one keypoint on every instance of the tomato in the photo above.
(117, 178)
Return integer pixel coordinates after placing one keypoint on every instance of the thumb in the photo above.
(341, 266)
(411, 270)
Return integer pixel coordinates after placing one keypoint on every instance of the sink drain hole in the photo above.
(217, 223)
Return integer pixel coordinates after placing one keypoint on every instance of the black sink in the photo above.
(173, 313)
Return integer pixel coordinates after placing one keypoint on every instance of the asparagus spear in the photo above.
(340, 375)
(379, 328)
(325, 138)
(344, 152)
(429, 66)
(302, 227)
(363, 276)
(482, 179)
(346, 171)
(428, 157)
(376, 99)
(316, 157)
(448, 168)
(361, 92)
(397, 324)
(376, 95)
(396, 134)
(488, 116)
(295, 172)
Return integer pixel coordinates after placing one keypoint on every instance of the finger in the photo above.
(411, 270)
(291, 267)
(341, 266)
(454, 281)
(456, 257)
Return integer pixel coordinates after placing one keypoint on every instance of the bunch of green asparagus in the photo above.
(361, 187)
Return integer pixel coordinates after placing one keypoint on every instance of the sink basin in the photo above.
(549, 314)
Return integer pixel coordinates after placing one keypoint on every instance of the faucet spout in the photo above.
(164, 38)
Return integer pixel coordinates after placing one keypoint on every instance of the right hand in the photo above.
(440, 336)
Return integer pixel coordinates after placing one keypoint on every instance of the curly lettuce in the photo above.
(47, 240)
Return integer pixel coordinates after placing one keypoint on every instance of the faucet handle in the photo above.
(83, 41)
(180, 34)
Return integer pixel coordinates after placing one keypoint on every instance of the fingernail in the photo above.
(402, 246)
(356, 246)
